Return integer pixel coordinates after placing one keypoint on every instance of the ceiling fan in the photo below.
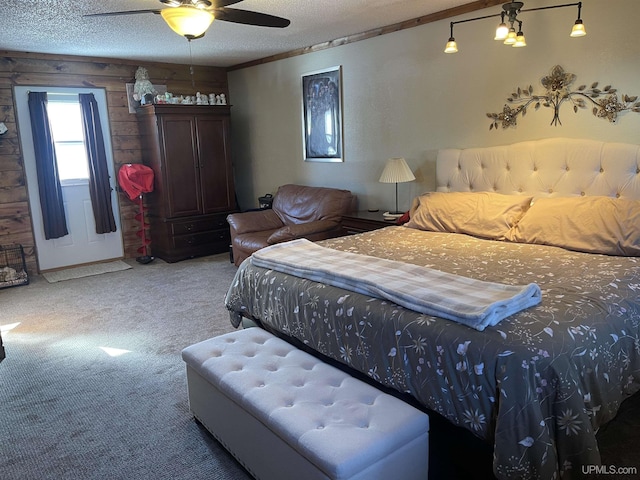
(192, 18)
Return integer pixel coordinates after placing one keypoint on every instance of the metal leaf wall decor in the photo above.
(604, 102)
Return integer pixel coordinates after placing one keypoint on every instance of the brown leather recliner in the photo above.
(298, 211)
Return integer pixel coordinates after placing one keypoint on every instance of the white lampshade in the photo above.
(396, 171)
(189, 22)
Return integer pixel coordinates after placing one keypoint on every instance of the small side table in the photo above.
(363, 221)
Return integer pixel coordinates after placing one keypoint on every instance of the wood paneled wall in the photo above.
(17, 68)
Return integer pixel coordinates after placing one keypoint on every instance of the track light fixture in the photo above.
(506, 31)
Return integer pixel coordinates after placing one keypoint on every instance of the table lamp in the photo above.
(396, 171)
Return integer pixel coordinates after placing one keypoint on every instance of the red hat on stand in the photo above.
(135, 179)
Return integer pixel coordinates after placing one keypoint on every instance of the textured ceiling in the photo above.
(58, 27)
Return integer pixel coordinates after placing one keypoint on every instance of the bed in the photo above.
(562, 213)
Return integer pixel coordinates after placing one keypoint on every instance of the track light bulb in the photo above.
(502, 31)
(520, 41)
(452, 46)
(511, 37)
(578, 29)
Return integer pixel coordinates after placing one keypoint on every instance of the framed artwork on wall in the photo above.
(322, 115)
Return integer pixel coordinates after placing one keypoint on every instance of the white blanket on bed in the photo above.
(474, 303)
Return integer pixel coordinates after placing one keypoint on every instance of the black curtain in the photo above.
(51, 201)
(99, 187)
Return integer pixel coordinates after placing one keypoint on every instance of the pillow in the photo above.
(586, 224)
(482, 214)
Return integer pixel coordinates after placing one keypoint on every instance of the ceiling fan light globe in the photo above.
(187, 21)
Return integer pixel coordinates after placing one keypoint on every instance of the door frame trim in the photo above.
(20, 94)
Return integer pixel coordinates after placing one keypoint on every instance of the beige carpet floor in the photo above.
(93, 385)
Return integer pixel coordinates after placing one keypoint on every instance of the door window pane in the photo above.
(66, 128)
(72, 161)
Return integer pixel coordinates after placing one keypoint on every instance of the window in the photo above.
(66, 128)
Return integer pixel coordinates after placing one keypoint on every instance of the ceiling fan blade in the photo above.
(247, 17)
(204, 4)
(200, 3)
(223, 3)
(128, 12)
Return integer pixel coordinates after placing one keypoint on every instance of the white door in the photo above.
(82, 244)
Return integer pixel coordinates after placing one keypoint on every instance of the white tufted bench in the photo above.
(284, 414)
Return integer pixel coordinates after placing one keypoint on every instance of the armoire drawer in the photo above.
(204, 238)
(184, 227)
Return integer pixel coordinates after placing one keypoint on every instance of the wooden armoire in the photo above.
(187, 146)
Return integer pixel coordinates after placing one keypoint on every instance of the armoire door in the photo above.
(181, 166)
(216, 177)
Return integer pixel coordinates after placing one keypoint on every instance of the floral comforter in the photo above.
(537, 385)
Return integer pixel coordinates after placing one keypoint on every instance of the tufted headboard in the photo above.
(549, 167)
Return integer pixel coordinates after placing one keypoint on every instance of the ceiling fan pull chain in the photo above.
(193, 83)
